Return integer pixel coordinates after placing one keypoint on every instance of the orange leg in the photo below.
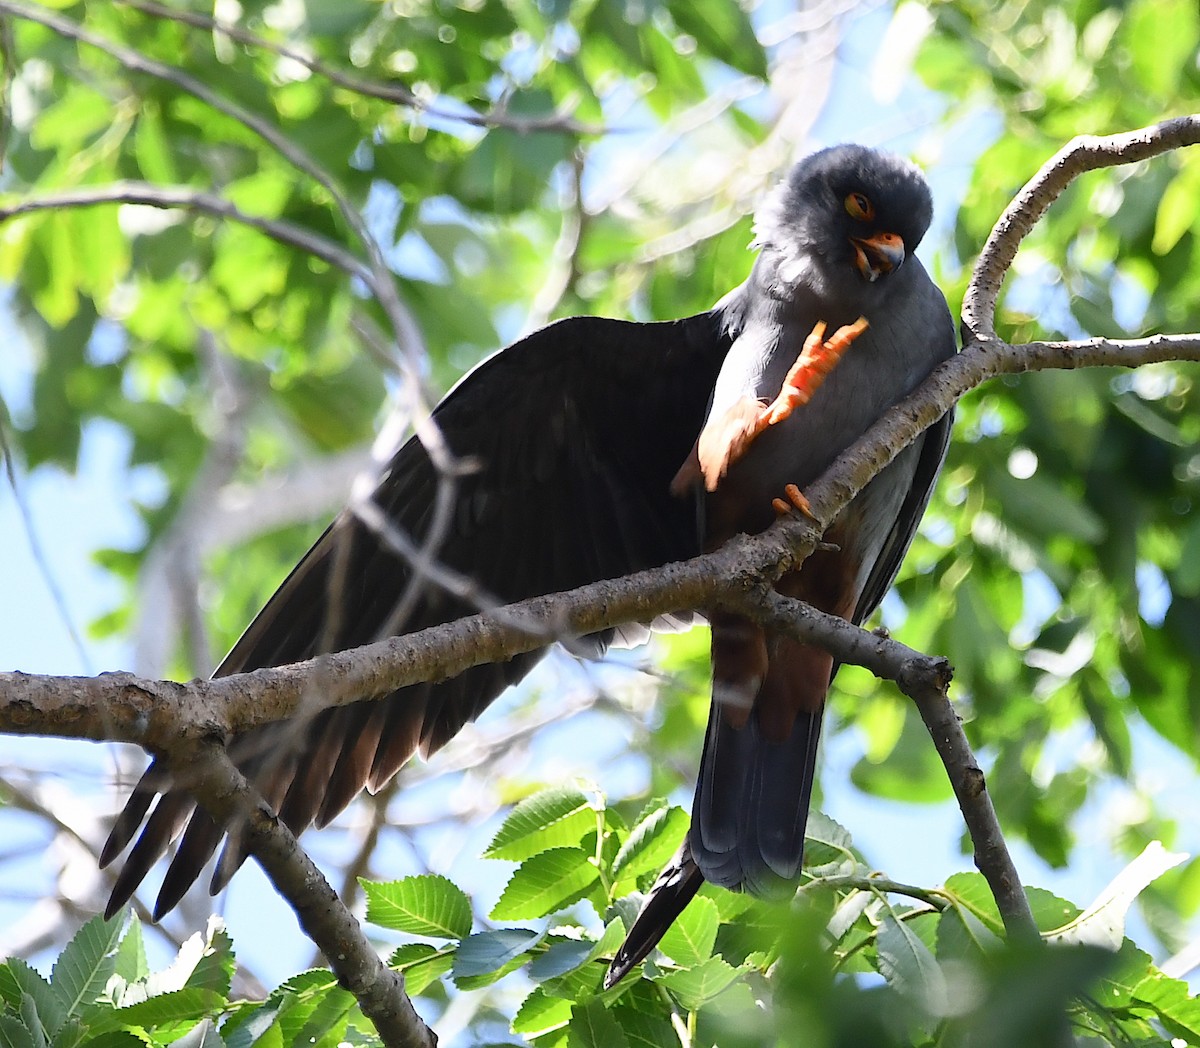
(817, 359)
(727, 439)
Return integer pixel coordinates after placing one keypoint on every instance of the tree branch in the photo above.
(226, 795)
(397, 94)
(1082, 154)
(182, 198)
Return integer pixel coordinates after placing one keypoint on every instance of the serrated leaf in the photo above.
(690, 939)
(34, 1023)
(85, 964)
(202, 1035)
(971, 891)
(214, 969)
(130, 962)
(651, 842)
(593, 1026)
(10, 989)
(486, 952)
(1172, 1001)
(645, 1029)
(695, 986)
(254, 1026)
(421, 965)
(560, 958)
(50, 1009)
(540, 1013)
(826, 842)
(15, 1034)
(962, 935)
(322, 1023)
(909, 966)
(427, 904)
(1103, 923)
(544, 883)
(553, 818)
(176, 1006)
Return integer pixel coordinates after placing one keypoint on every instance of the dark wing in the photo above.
(936, 439)
(887, 566)
(938, 325)
(572, 436)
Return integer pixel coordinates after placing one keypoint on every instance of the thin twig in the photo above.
(1086, 153)
(57, 597)
(397, 94)
(182, 198)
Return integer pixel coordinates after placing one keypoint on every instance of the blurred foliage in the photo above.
(731, 971)
(599, 156)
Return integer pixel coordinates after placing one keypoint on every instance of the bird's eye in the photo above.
(859, 207)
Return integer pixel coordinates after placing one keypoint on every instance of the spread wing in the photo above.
(569, 440)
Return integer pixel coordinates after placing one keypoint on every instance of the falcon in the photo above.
(591, 449)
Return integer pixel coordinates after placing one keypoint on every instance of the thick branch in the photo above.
(226, 795)
(120, 707)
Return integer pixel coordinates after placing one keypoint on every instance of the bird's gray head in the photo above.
(843, 220)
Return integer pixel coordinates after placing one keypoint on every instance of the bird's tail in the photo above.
(678, 882)
(755, 782)
(759, 761)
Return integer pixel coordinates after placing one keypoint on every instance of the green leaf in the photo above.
(421, 965)
(561, 957)
(85, 964)
(690, 939)
(540, 1013)
(1043, 507)
(203, 1035)
(545, 883)
(10, 989)
(427, 904)
(1103, 923)
(34, 1022)
(909, 966)
(700, 984)
(486, 953)
(651, 842)
(49, 1008)
(593, 1026)
(176, 1006)
(214, 969)
(553, 818)
(1173, 1003)
(130, 961)
(725, 31)
(963, 936)
(645, 1029)
(15, 1034)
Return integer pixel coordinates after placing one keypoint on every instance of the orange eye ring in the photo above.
(859, 207)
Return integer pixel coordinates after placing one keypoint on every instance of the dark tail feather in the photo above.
(164, 825)
(756, 776)
(673, 890)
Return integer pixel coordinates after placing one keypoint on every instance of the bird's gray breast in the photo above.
(904, 341)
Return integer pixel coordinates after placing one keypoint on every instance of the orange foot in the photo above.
(725, 440)
(795, 500)
(816, 360)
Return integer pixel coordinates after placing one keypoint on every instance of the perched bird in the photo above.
(836, 241)
(594, 448)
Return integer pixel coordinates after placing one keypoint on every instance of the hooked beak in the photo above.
(874, 256)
